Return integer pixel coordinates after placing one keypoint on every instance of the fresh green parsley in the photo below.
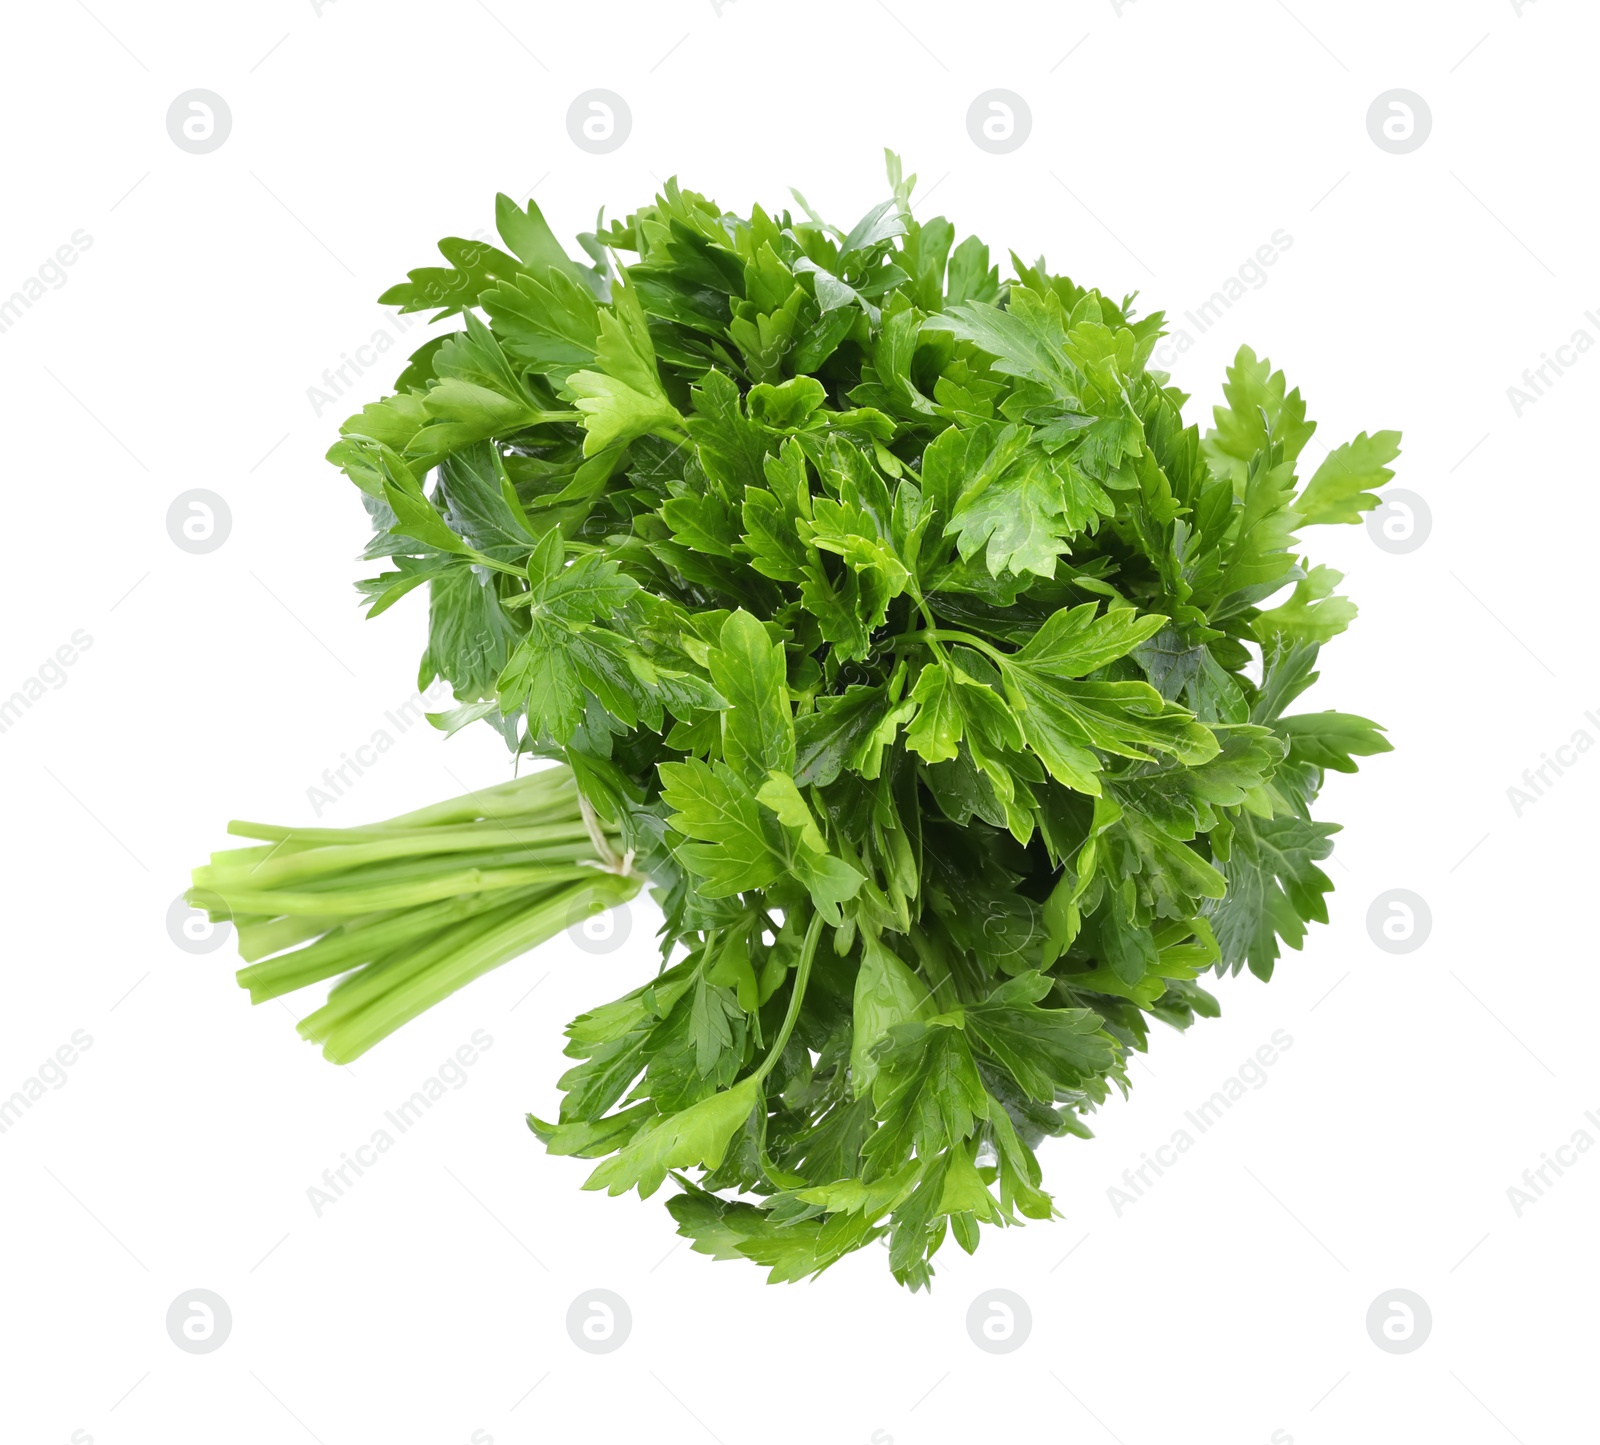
(879, 608)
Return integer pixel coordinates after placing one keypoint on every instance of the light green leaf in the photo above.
(887, 993)
(1260, 409)
(1347, 482)
(1312, 613)
(1075, 641)
(747, 668)
(698, 1135)
(780, 794)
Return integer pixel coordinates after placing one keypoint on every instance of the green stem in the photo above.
(401, 913)
(930, 632)
(933, 636)
(506, 567)
(360, 941)
(527, 928)
(802, 977)
(317, 862)
(531, 792)
(238, 857)
(272, 935)
(366, 988)
(288, 840)
(402, 895)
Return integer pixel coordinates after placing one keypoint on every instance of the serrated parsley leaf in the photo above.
(1347, 482)
(698, 1135)
(747, 668)
(1048, 1051)
(1274, 889)
(1260, 410)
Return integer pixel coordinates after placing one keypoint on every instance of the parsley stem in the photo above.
(517, 845)
(931, 636)
(358, 941)
(930, 630)
(348, 902)
(478, 559)
(469, 951)
(966, 639)
(591, 823)
(802, 976)
(406, 911)
(530, 792)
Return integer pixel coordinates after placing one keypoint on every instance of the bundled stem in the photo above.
(405, 912)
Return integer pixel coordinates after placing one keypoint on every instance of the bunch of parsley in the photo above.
(890, 620)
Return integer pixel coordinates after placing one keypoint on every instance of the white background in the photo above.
(1228, 1304)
